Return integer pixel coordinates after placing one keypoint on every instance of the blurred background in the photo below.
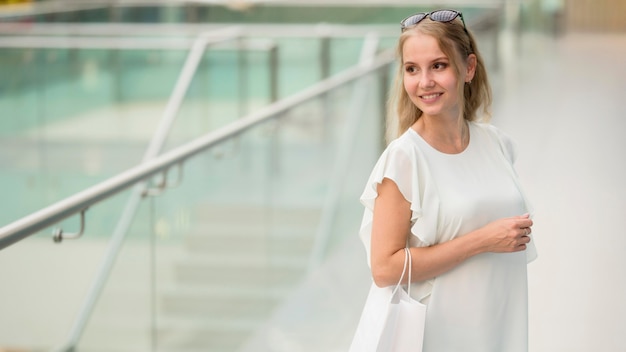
(209, 157)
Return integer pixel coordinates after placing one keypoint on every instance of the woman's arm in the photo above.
(391, 225)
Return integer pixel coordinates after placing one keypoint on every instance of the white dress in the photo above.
(482, 304)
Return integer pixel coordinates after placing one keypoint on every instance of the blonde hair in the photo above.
(457, 45)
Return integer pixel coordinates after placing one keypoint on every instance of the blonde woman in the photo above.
(446, 186)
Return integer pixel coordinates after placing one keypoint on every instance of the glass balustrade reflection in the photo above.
(72, 118)
(77, 116)
(221, 251)
(123, 315)
(44, 284)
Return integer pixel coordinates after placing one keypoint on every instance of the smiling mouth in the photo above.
(430, 96)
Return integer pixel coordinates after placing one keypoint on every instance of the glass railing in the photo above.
(260, 173)
(205, 264)
(75, 116)
(44, 285)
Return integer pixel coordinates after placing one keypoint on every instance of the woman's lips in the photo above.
(429, 98)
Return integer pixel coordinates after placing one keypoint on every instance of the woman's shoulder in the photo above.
(490, 129)
(487, 127)
(401, 156)
(405, 142)
(498, 136)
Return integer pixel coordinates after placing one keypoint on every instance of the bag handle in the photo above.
(407, 260)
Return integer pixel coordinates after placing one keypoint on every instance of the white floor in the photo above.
(563, 102)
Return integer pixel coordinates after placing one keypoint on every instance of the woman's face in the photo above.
(429, 78)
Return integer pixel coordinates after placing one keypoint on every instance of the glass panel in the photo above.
(244, 244)
(321, 302)
(75, 117)
(361, 155)
(232, 83)
(344, 53)
(123, 316)
(299, 64)
(218, 94)
(44, 284)
(234, 239)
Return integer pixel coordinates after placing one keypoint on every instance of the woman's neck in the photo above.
(447, 136)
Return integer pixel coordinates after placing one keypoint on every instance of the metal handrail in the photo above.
(140, 43)
(65, 208)
(43, 218)
(189, 29)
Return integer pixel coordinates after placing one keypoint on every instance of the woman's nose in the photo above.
(426, 81)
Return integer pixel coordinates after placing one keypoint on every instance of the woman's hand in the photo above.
(506, 235)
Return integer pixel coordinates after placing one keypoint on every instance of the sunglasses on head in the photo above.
(438, 16)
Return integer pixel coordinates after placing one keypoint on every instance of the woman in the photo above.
(447, 188)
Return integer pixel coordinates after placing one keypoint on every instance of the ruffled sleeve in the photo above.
(507, 144)
(509, 151)
(403, 164)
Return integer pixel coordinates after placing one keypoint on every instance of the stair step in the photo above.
(205, 332)
(224, 293)
(180, 335)
(248, 243)
(228, 259)
(200, 335)
(252, 230)
(237, 274)
(224, 307)
(239, 262)
(233, 214)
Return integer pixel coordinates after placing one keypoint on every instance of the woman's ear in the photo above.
(471, 67)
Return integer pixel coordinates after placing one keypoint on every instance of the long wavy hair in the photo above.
(457, 45)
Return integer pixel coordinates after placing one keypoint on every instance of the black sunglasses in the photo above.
(438, 16)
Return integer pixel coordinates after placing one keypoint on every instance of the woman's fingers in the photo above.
(521, 232)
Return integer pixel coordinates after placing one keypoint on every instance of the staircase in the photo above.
(236, 266)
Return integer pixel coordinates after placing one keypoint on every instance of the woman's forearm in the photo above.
(428, 262)
(501, 236)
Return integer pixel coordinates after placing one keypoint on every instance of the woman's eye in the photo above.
(440, 66)
(410, 69)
